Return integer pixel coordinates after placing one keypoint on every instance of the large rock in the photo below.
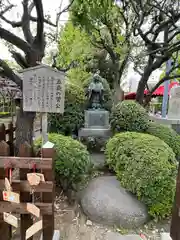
(106, 202)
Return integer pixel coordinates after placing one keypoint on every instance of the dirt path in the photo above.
(74, 225)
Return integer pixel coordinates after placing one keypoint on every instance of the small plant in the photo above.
(167, 134)
(72, 162)
(146, 166)
(128, 116)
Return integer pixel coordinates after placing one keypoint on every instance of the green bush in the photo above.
(146, 166)
(107, 92)
(128, 116)
(167, 134)
(72, 162)
(73, 117)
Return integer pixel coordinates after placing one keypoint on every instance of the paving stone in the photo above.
(117, 236)
(165, 236)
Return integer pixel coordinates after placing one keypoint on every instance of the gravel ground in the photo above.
(74, 225)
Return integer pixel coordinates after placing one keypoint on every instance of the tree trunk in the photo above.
(118, 95)
(118, 92)
(142, 86)
(24, 128)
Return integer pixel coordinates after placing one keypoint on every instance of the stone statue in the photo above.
(96, 92)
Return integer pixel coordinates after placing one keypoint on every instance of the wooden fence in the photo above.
(44, 191)
(7, 134)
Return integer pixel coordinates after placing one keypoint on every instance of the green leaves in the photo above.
(74, 45)
(129, 116)
(101, 19)
(72, 162)
(146, 166)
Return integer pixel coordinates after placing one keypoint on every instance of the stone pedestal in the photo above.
(97, 119)
(96, 124)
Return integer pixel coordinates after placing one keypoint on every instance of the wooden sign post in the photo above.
(43, 92)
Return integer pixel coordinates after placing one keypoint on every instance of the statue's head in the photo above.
(96, 78)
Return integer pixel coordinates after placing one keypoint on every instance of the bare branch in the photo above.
(66, 8)
(13, 39)
(162, 80)
(34, 19)
(26, 21)
(21, 61)
(10, 73)
(6, 9)
(40, 24)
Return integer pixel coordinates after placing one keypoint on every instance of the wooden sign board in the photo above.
(31, 208)
(43, 89)
(33, 179)
(7, 185)
(11, 197)
(10, 219)
(36, 227)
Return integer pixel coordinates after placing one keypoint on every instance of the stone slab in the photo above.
(96, 118)
(165, 236)
(94, 132)
(117, 236)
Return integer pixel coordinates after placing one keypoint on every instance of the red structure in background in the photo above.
(158, 92)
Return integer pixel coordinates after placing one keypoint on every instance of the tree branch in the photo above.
(26, 21)
(6, 9)
(10, 73)
(162, 80)
(13, 39)
(66, 8)
(34, 19)
(20, 59)
(40, 24)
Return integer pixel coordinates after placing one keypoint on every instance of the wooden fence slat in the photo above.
(23, 186)
(48, 220)
(45, 208)
(26, 220)
(11, 138)
(5, 229)
(9, 131)
(2, 132)
(26, 162)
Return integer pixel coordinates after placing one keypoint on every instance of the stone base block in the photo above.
(94, 132)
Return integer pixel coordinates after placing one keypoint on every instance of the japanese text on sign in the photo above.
(43, 91)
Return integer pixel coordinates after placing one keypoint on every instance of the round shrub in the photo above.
(146, 166)
(128, 116)
(73, 117)
(72, 161)
(107, 92)
(167, 134)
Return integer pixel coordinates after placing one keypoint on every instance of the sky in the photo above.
(50, 7)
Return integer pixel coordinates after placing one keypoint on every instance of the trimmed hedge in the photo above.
(146, 166)
(72, 162)
(107, 92)
(167, 134)
(128, 116)
(73, 117)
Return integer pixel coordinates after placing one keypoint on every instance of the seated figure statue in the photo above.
(96, 93)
